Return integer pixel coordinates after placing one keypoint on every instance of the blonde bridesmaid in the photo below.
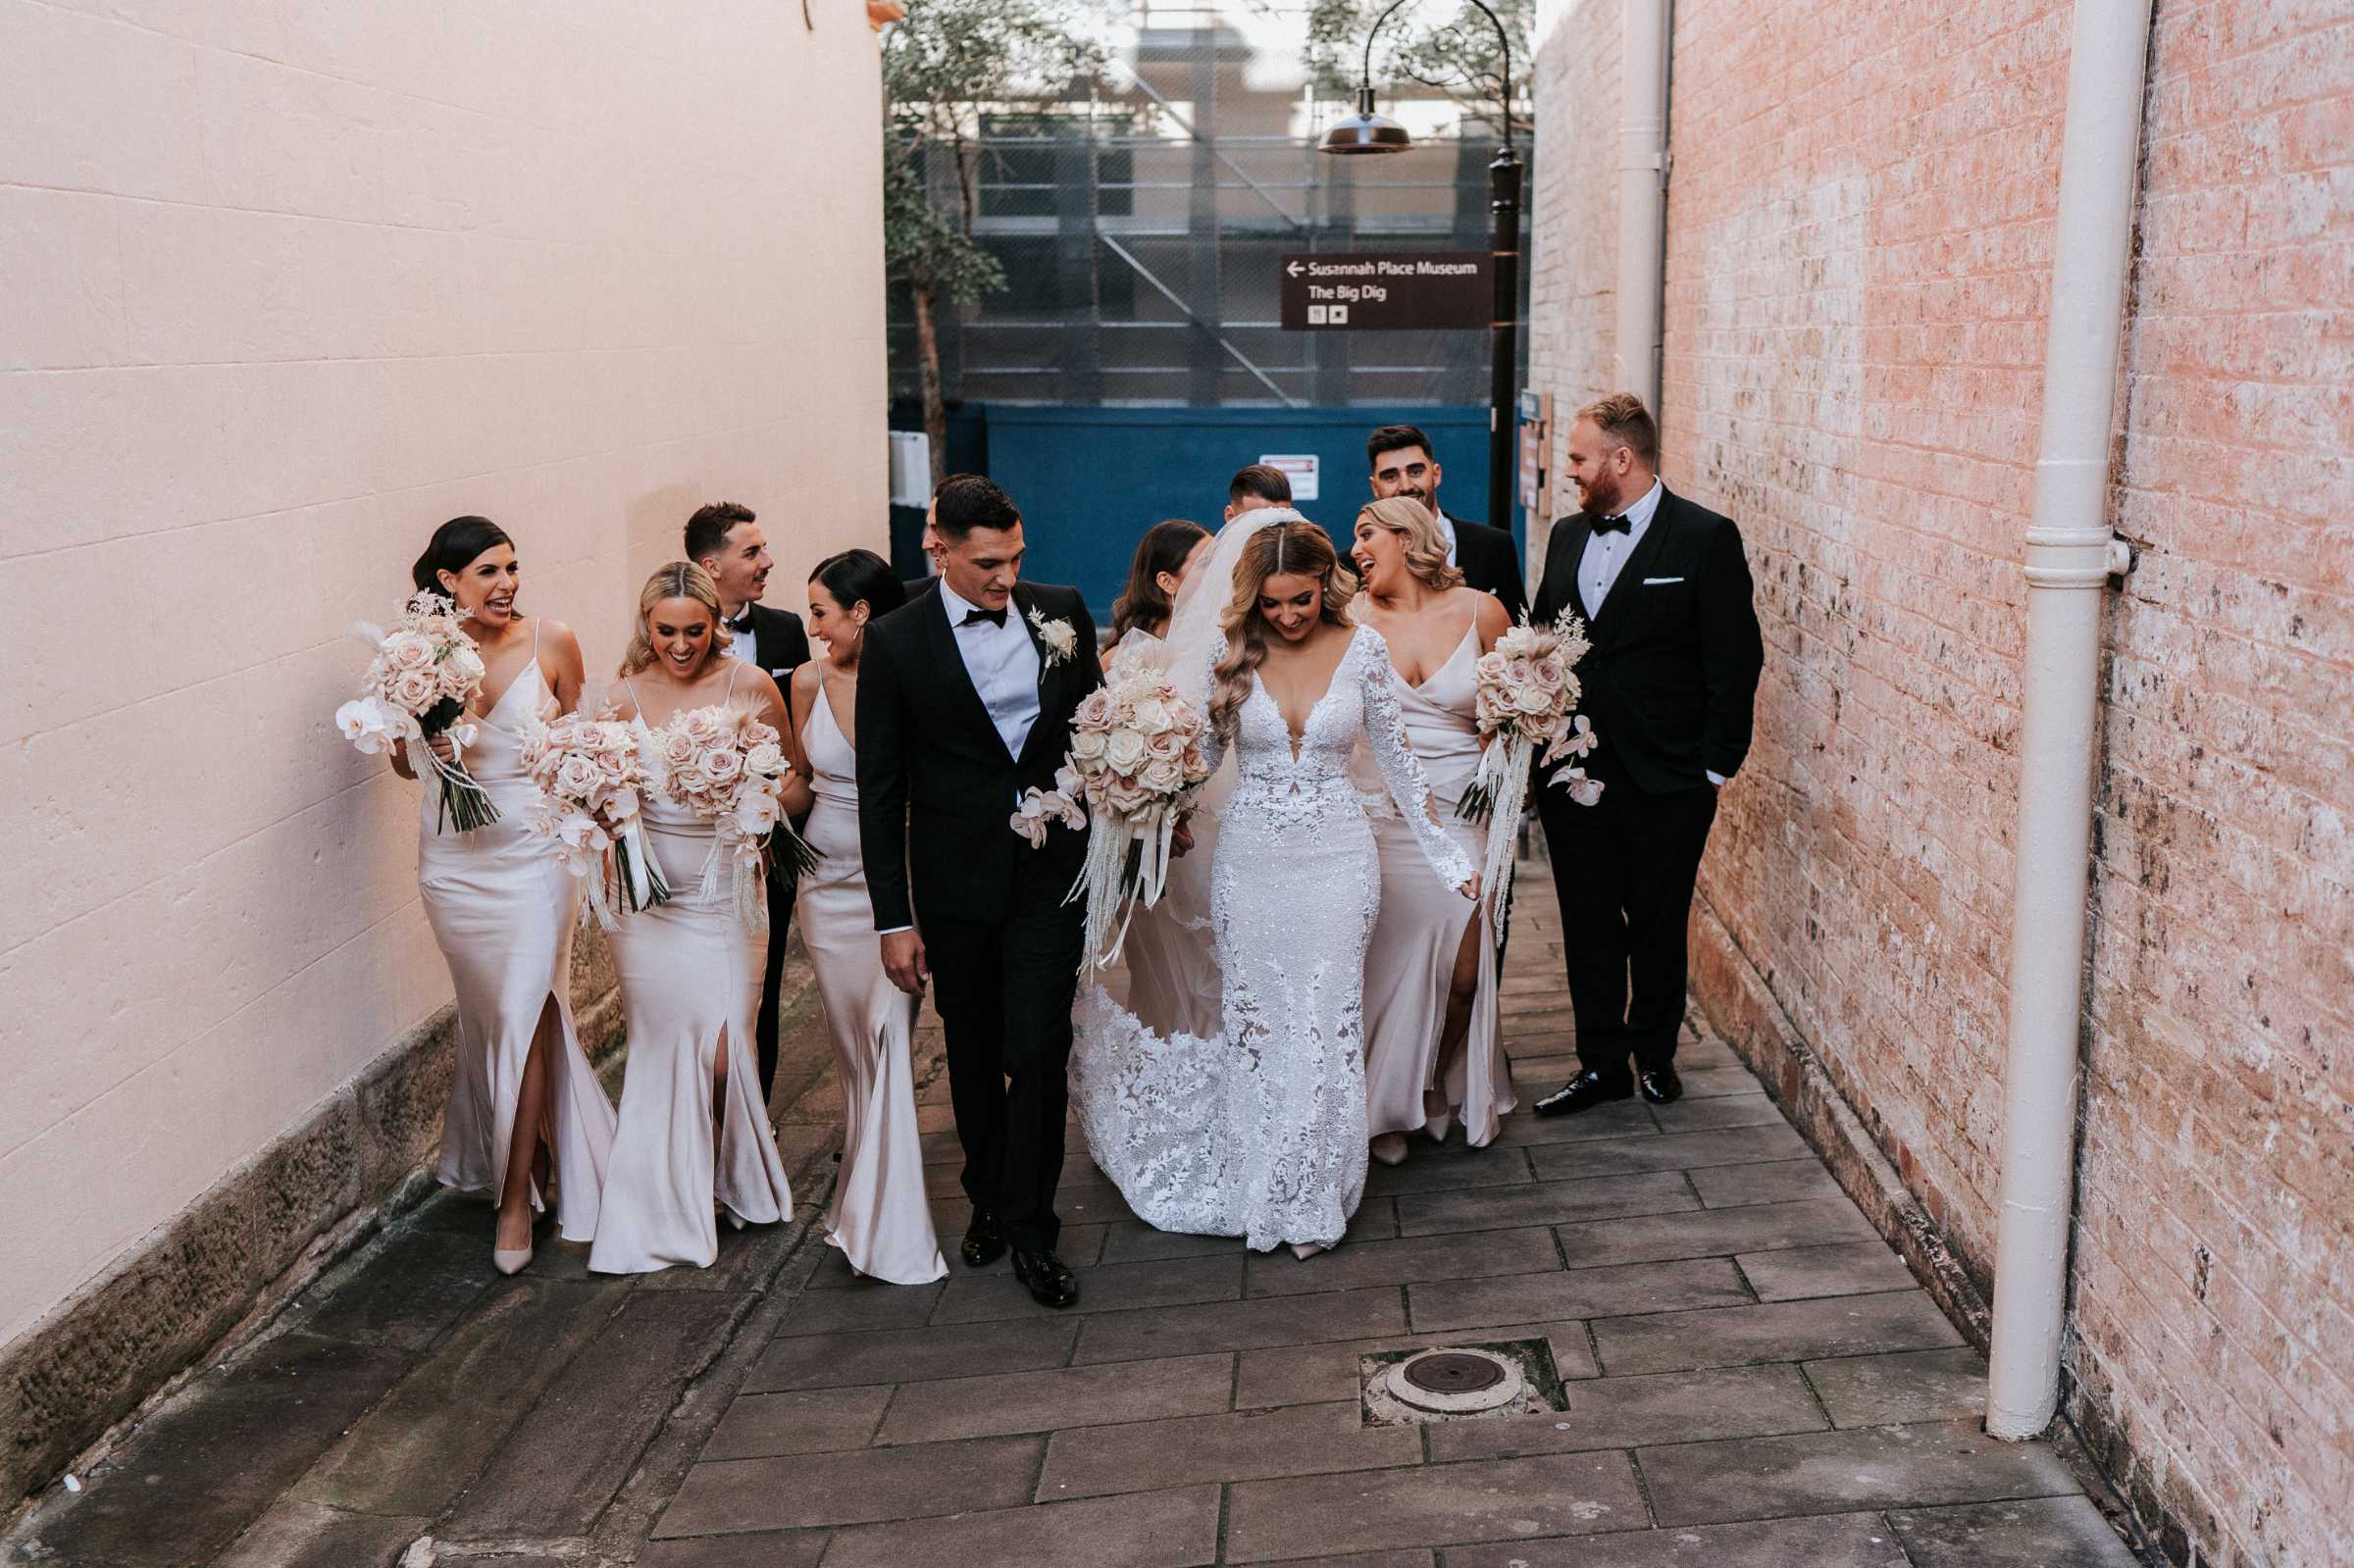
(525, 1105)
(694, 1139)
(1434, 1043)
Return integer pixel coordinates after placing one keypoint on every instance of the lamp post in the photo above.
(1367, 131)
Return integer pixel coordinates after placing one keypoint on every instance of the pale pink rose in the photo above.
(407, 650)
(706, 725)
(575, 777)
(1166, 746)
(1124, 750)
(679, 749)
(1148, 717)
(1550, 671)
(416, 690)
(723, 766)
(764, 757)
(1088, 746)
(1161, 774)
(1095, 709)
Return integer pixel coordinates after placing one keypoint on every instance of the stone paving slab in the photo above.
(1241, 1446)
(1151, 1530)
(560, 1470)
(2039, 1533)
(1546, 1203)
(1243, 1325)
(1830, 1541)
(843, 1358)
(1629, 1412)
(1405, 1261)
(173, 1494)
(1059, 1397)
(1687, 1283)
(1880, 1391)
(306, 1534)
(1782, 1331)
(1823, 1472)
(1713, 1233)
(758, 1426)
(1434, 1505)
(860, 1486)
(1839, 1268)
(1781, 1182)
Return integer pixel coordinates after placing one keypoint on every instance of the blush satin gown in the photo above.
(880, 1220)
(1411, 957)
(503, 909)
(690, 988)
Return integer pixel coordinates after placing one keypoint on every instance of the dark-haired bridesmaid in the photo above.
(524, 1102)
(881, 1220)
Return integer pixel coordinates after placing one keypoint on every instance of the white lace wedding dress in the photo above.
(1261, 1133)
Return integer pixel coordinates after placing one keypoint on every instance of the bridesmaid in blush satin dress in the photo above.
(694, 1138)
(1434, 1043)
(523, 1101)
(880, 1219)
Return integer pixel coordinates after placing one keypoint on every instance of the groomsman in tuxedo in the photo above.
(1664, 590)
(1401, 464)
(725, 541)
(965, 698)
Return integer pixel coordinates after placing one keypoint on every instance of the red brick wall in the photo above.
(1858, 243)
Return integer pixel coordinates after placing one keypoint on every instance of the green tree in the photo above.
(944, 66)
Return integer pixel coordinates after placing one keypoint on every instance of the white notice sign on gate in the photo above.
(1300, 469)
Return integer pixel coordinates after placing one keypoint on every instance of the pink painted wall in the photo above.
(1859, 249)
(286, 285)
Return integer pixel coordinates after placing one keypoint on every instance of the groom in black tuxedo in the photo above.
(1664, 591)
(725, 539)
(964, 702)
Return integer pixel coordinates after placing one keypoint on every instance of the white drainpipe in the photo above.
(1642, 199)
(2071, 554)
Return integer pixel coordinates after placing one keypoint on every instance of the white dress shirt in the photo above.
(744, 645)
(1606, 553)
(1445, 527)
(1004, 664)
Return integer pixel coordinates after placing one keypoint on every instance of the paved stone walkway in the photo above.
(1750, 1377)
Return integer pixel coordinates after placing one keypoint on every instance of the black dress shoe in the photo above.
(1581, 1093)
(984, 1240)
(1048, 1278)
(1661, 1086)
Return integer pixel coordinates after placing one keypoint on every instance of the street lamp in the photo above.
(1366, 132)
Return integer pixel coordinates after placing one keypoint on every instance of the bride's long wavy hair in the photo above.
(1281, 549)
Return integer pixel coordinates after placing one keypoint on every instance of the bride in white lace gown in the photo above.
(1261, 1133)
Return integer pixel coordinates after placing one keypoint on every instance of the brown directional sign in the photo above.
(1378, 290)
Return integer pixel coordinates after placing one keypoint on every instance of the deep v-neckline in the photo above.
(1445, 664)
(1332, 684)
(528, 664)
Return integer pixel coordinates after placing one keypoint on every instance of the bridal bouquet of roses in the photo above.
(727, 766)
(593, 779)
(1136, 759)
(1526, 694)
(425, 672)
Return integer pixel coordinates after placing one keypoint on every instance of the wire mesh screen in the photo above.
(1141, 233)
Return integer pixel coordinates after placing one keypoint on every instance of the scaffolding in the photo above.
(1141, 233)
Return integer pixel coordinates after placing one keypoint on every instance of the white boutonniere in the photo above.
(1061, 640)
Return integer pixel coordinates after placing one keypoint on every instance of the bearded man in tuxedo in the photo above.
(725, 539)
(965, 698)
(1664, 590)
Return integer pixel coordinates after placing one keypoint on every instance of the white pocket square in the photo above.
(1653, 582)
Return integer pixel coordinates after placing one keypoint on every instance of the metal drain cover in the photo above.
(1453, 1382)
(1454, 1372)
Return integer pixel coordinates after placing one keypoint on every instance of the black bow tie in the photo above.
(993, 616)
(742, 624)
(1614, 525)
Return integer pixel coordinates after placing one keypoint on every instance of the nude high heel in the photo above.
(1304, 1250)
(511, 1260)
(1389, 1148)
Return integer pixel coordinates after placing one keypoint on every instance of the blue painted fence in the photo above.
(1090, 480)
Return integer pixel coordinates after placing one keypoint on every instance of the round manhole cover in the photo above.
(1452, 1384)
(1454, 1372)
